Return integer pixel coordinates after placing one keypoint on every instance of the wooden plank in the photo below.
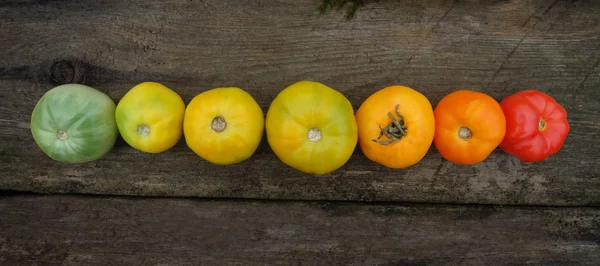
(67, 230)
(434, 46)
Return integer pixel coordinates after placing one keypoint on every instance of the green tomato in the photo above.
(74, 123)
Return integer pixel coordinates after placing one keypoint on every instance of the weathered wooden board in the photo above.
(436, 47)
(66, 230)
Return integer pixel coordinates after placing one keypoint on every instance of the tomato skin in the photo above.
(74, 123)
(150, 117)
(469, 126)
(311, 127)
(238, 135)
(418, 118)
(525, 138)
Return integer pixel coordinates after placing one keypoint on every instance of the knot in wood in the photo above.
(65, 72)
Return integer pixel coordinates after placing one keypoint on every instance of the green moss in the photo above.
(351, 6)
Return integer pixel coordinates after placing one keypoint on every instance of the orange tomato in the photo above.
(469, 125)
(395, 126)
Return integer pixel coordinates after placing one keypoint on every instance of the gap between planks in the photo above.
(16, 193)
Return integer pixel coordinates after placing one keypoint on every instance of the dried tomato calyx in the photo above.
(394, 130)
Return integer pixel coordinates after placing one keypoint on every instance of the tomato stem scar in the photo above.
(218, 124)
(143, 130)
(542, 124)
(464, 133)
(314, 134)
(61, 134)
(394, 130)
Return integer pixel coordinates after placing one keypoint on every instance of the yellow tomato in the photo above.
(311, 127)
(223, 125)
(150, 117)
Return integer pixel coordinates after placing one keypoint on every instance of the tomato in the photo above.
(469, 125)
(395, 126)
(223, 125)
(536, 125)
(150, 117)
(74, 123)
(311, 127)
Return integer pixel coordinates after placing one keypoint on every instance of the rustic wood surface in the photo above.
(434, 46)
(66, 230)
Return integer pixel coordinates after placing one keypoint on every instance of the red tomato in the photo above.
(536, 125)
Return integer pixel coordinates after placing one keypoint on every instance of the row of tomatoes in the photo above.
(309, 126)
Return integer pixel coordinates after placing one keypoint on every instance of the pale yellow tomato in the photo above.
(150, 117)
(311, 127)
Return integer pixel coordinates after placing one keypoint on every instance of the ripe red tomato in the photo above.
(536, 125)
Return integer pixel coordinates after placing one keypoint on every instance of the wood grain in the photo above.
(66, 230)
(436, 47)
